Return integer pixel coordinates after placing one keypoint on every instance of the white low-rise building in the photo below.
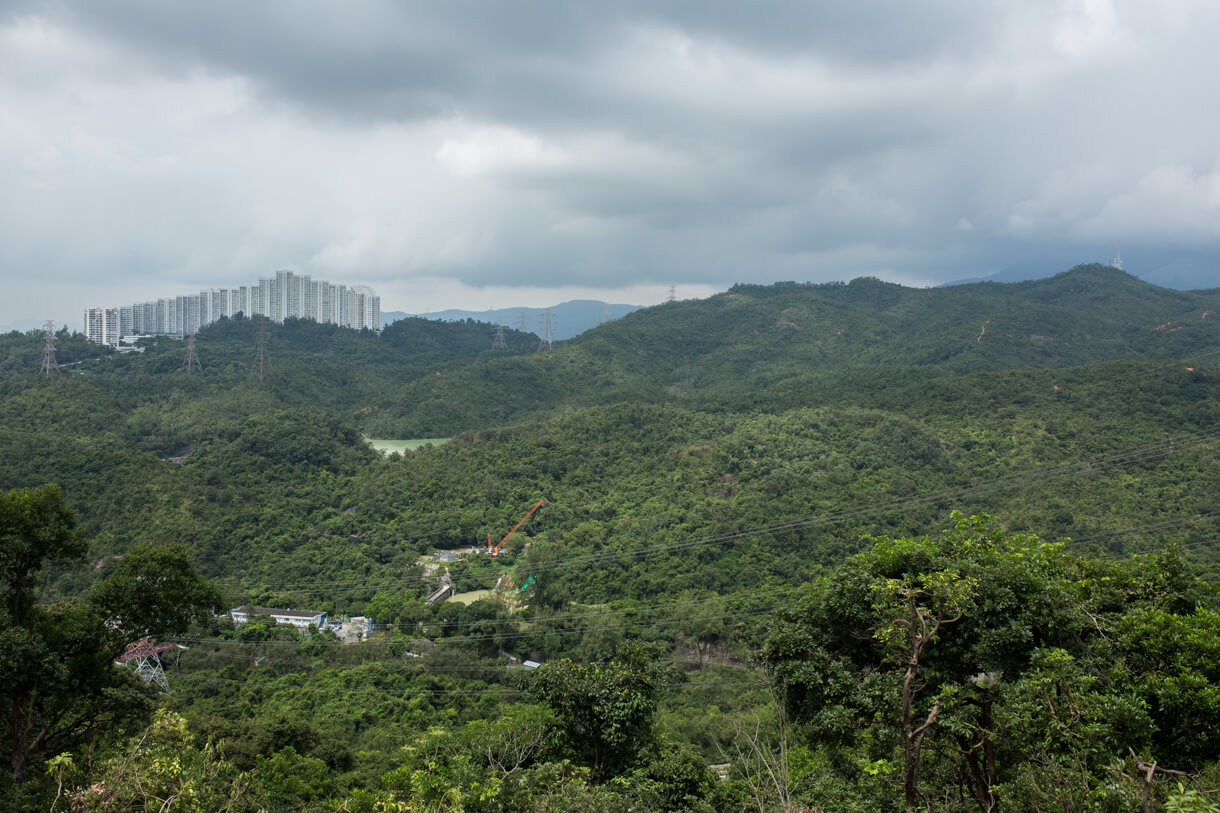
(301, 619)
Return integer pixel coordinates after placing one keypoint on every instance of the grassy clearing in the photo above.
(471, 597)
(389, 446)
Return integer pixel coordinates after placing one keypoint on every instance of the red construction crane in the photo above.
(496, 551)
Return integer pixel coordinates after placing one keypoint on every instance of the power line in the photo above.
(395, 666)
(776, 597)
(1127, 455)
(1133, 454)
(506, 635)
(927, 421)
(408, 693)
(1197, 519)
(507, 691)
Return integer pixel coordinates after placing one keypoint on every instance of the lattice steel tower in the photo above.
(497, 342)
(191, 362)
(146, 655)
(49, 365)
(548, 335)
(261, 368)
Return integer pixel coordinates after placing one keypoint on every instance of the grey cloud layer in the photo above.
(604, 144)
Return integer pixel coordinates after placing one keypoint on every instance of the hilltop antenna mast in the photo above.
(191, 363)
(49, 365)
(1118, 260)
(261, 368)
(548, 335)
(497, 342)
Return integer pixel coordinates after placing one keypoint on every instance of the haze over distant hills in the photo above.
(568, 319)
(1185, 272)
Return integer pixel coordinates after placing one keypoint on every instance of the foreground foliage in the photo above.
(62, 691)
(977, 670)
(707, 466)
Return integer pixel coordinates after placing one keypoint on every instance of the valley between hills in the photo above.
(793, 547)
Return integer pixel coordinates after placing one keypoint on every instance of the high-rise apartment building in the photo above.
(102, 325)
(284, 296)
(368, 306)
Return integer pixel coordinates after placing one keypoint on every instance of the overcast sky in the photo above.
(484, 153)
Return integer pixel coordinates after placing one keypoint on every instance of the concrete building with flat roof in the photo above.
(284, 296)
(102, 326)
(301, 619)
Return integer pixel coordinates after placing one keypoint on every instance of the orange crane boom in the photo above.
(500, 544)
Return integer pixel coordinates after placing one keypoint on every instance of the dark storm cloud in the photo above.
(540, 62)
(417, 59)
(603, 145)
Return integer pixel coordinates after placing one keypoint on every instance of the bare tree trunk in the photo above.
(921, 630)
(19, 743)
(765, 767)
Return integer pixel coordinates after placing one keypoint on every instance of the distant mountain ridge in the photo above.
(752, 348)
(568, 319)
(789, 345)
(1194, 272)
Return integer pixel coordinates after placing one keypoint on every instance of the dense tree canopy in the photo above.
(56, 660)
(995, 668)
(744, 486)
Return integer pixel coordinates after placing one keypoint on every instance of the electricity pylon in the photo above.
(261, 368)
(191, 363)
(49, 366)
(548, 335)
(146, 653)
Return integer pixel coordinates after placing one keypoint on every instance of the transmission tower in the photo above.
(261, 367)
(605, 313)
(497, 342)
(146, 654)
(672, 295)
(521, 321)
(49, 365)
(191, 363)
(548, 336)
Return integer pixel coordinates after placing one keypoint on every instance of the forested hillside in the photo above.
(749, 543)
(792, 345)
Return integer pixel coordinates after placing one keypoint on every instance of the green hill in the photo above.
(790, 345)
(704, 463)
(914, 391)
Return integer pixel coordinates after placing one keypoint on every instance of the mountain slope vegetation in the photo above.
(712, 471)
